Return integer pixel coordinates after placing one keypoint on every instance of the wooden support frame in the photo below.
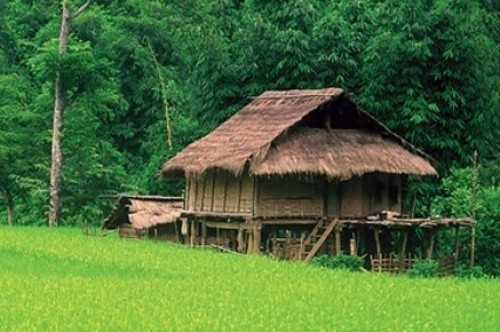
(432, 241)
(257, 237)
(338, 240)
(376, 235)
(203, 232)
(402, 251)
(456, 254)
(472, 245)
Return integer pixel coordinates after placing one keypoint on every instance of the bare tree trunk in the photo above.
(10, 207)
(56, 152)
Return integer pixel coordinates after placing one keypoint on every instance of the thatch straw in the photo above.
(234, 142)
(144, 211)
(339, 153)
(257, 136)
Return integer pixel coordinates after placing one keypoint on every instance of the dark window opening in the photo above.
(393, 195)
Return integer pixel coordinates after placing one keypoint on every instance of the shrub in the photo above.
(469, 272)
(340, 261)
(425, 268)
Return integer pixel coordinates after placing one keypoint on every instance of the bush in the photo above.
(340, 261)
(469, 272)
(424, 268)
(456, 200)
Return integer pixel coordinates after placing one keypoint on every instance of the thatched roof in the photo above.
(144, 211)
(255, 135)
(339, 153)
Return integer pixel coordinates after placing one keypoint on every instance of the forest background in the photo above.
(145, 78)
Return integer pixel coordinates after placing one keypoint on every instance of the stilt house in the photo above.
(291, 172)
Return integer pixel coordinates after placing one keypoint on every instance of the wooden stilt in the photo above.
(456, 254)
(251, 243)
(402, 252)
(352, 245)
(338, 239)
(240, 238)
(257, 237)
(217, 235)
(274, 240)
(203, 232)
(431, 244)
(472, 245)
(377, 242)
(192, 233)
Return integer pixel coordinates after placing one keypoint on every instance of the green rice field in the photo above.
(59, 279)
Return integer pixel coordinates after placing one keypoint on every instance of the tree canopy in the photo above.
(145, 78)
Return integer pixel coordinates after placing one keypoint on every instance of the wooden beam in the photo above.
(289, 222)
(235, 216)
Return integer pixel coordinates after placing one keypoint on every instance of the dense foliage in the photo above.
(339, 262)
(108, 284)
(145, 78)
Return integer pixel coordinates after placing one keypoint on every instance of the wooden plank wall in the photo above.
(370, 194)
(290, 196)
(220, 191)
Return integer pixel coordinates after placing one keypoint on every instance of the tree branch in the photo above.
(82, 8)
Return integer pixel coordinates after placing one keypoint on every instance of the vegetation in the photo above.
(61, 280)
(142, 79)
(339, 262)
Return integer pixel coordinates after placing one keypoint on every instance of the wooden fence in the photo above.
(391, 264)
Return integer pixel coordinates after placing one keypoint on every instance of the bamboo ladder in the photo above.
(316, 239)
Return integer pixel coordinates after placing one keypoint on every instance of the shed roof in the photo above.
(144, 211)
(255, 135)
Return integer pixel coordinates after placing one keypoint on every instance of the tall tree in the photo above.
(56, 165)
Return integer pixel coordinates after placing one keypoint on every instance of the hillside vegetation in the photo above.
(58, 279)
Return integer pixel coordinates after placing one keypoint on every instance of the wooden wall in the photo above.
(289, 196)
(220, 191)
(369, 194)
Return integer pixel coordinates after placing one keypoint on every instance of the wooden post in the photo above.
(352, 245)
(257, 237)
(251, 243)
(240, 238)
(456, 254)
(338, 239)
(204, 232)
(431, 244)
(191, 233)
(472, 244)
(217, 236)
(274, 240)
(376, 235)
(402, 252)
(474, 207)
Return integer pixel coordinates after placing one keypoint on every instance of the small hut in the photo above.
(146, 216)
(299, 172)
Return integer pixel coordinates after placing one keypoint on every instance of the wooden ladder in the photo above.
(316, 238)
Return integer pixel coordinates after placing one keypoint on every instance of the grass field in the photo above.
(58, 279)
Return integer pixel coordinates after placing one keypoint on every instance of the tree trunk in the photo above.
(10, 207)
(57, 126)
